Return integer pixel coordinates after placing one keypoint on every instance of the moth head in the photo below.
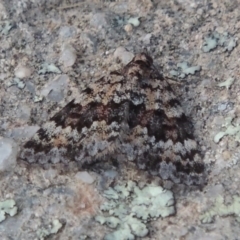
(143, 59)
(139, 68)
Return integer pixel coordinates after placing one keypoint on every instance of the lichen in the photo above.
(215, 39)
(129, 208)
(227, 83)
(7, 207)
(230, 129)
(37, 98)
(222, 210)
(123, 20)
(184, 69)
(211, 42)
(227, 42)
(52, 228)
(6, 27)
(49, 68)
(134, 21)
(17, 82)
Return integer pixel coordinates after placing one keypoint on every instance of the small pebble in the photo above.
(128, 28)
(226, 155)
(123, 55)
(67, 32)
(98, 20)
(23, 72)
(8, 154)
(85, 177)
(68, 56)
(147, 38)
(23, 112)
(54, 90)
(20, 133)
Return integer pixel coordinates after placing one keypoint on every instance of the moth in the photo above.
(129, 115)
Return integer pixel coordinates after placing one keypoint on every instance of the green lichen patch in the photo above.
(227, 41)
(184, 69)
(17, 82)
(52, 228)
(227, 84)
(6, 27)
(49, 68)
(7, 207)
(134, 21)
(37, 98)
(222, 210)
(130, 207)
(214, 39)
(210, 42)
(230, 129)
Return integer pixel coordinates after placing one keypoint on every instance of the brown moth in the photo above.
(129, 115)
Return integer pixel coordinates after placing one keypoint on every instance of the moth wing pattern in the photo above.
(131, 115)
